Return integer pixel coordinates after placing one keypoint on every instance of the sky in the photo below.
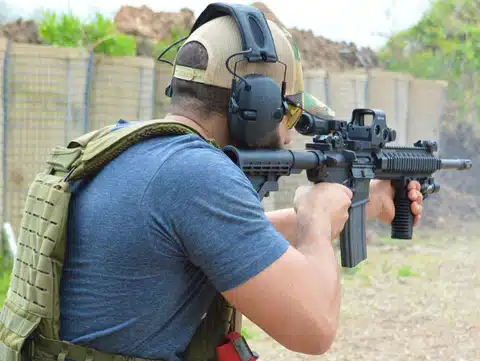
(340, 20)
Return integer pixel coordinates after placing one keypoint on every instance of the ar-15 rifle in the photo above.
(351, 153)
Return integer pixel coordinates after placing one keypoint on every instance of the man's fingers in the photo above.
(416, 208)
(420, 197)
(414, 185)
(415, 196)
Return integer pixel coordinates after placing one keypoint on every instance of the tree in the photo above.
(444, 44)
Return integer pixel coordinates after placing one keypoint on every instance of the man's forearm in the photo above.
(285, 222)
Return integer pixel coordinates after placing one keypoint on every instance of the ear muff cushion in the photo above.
(256, 108)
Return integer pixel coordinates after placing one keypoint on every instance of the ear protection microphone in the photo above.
(257, 104)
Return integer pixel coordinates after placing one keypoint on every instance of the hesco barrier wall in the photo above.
(50, 95)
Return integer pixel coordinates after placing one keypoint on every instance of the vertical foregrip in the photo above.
(402, 224)
(353, 239)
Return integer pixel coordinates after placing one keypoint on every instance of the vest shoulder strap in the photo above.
(86, 155)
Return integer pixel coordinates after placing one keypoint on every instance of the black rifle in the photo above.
(351, 153)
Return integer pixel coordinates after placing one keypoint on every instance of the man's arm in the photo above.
(285, 222)
(292, 293)
(304, 281)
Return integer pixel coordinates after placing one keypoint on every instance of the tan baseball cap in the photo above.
(221, 38)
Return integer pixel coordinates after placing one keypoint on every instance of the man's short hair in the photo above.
(198, 97)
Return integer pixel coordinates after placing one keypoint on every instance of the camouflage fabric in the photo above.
(308, 103)
(300, 99)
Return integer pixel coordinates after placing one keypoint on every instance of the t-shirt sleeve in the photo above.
(217, 217)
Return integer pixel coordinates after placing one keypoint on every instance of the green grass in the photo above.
(248, 333)
(5, 269)
(406, 271)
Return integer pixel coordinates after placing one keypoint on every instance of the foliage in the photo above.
(6, 265)
(5, 270)
(64, 30)
(67, 30)
(444, 44)
(176, 33)
(102, 32)
(406, 271)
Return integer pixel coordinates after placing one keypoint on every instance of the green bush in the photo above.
(103, 35)
(5, 270)
(64, 30)
(100, 34)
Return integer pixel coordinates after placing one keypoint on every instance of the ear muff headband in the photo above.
(252, 25)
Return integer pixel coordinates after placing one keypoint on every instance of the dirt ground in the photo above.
(416, 300)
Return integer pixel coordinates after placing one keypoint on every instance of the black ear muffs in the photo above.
(255, 109)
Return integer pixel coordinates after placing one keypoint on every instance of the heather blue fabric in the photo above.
(151, 238)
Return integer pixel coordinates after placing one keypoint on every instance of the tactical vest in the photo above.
(30, 316)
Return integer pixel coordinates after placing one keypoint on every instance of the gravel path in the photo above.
(407, 302)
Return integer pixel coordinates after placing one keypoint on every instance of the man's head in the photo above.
(202, 82)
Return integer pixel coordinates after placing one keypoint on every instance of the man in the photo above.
(172, 220)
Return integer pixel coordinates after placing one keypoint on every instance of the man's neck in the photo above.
(213, 129)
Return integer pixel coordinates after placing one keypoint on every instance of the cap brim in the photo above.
(308, 103)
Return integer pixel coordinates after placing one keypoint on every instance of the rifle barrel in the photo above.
(456, 164)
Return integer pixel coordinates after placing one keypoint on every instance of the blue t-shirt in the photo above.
(151, 238)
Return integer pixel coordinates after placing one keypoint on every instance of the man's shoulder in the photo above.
(192, 152)
(189, 162)
(182, 149)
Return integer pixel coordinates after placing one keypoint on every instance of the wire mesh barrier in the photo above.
(51, 95)
(121, 88)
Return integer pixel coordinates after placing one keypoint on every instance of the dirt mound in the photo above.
(21, 31)
(320, 52)
(267, 12)
(144, 22)
(149, 27)
(316, 51)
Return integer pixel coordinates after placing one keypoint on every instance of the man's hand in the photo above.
(381, 204)
(324, 204)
